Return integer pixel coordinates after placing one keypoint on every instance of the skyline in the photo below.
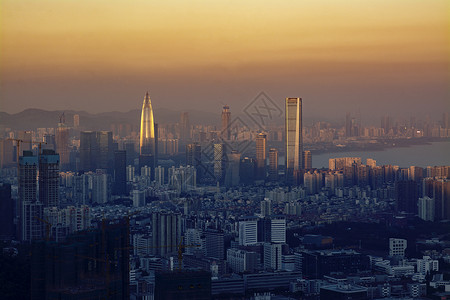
(376, 58)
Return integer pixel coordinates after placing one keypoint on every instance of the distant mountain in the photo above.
(32, 118)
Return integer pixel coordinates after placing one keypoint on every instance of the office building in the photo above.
(247, 170)
(49, 163)
(219, 162)
(185, 127)
(62, 144)
(266, 207)
(7, 153)
(426, 207)
(148, 135)
(272, 256)
(273, 164)
(166, 233)
(241, 261)
(261, 141)
(214, 241)
(294, 139)
(193, 155)
(232, 176)
(248, 231)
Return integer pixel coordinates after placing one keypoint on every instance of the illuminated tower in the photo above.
(294, 139)
(226, 118)
(147, 144)
(261, 141)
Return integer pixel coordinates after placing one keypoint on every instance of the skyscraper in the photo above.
(294, 138)
(96, 150)
(166, 232)
(147, 144)
(49, 178)
(193, 154)
(62, 143)
(261, 141)
(219, 162)
(226, 119)
(273, 164)
(185, 127)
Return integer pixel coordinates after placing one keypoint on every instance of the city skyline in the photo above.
(380, 57)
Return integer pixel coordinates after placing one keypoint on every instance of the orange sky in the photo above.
(226, 49)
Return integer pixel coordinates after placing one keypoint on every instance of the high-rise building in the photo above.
(120, 172)
(307, 160)
(248, 231)
(232, 177)
(247, 170)
(294, 138)
(215, 240)
(49, 178)
(426, 206)
(62, 143)
(6, 153)
(266, 207)
(101, 191)
(193, 154)
(148, 135)
(166, 233)
(219, 162)
(96, 151)
(6, 213)
(226, 119)
(185, 127)
(272, 256)
(273, 164)
(261, 141)
(406, 195)
(26, 137)
(31, 210)
(76, 121)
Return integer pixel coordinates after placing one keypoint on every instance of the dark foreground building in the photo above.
(88, 265)
(183, 285)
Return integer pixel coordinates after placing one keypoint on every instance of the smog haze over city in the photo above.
(257, 150)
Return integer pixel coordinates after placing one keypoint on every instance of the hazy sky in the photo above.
(103, 55)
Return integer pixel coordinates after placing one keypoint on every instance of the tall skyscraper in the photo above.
(226, 119)
(232, 177)
(31, 210)
(7, 154)
(219, 162)
(49, 178)
(406, 196)
(261, 141)
(294, 138)
(273, 164)
(96, 150)
(76, 121)
(215, 240)
(62, 143)
(148, 136)
(185, 127)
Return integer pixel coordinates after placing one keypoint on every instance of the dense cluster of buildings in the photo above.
(139, 221)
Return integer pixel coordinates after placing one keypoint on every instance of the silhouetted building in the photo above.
(183, 285)
(316, 264)
(120, 175)
(49, 163)
(96, 151)
(247, 170)
(193, 155)
(232, 177)
(406, 196)
(185, 127)
(88, 265)
(7, 155)
(307, 160)
(6, 213)
(219, 162)
(62, 143)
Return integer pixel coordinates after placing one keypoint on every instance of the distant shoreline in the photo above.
(381, 145)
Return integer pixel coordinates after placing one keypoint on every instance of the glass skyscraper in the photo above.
(294, 139)
(147, 143)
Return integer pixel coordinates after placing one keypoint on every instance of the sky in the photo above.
(376, 57)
